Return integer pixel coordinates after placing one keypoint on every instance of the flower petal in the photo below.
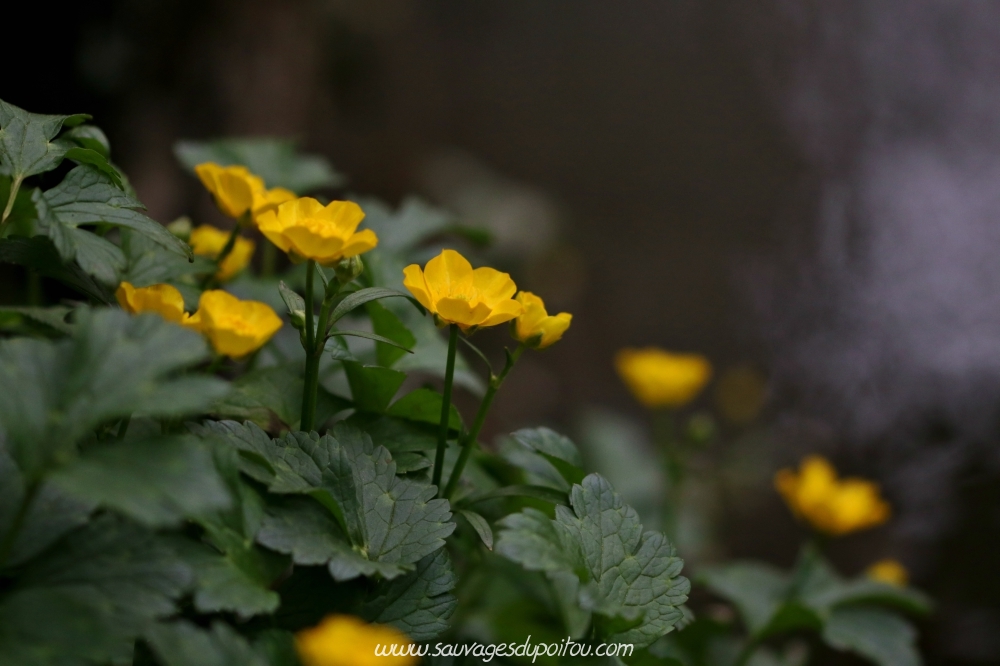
(492, 286)
(359, 243)
(270, 225)
(448, 274)
(503, 311)
(413, 280)
(459, 311)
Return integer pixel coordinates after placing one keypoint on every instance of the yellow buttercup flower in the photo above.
(233, 187)
(265, 200)
(457, 294)
(658, 378)
(831, 505)
(208, 241)
(536, 327)
(163, 299)
(888, 571)
(307, 229)
(344, 640)
(234, 327)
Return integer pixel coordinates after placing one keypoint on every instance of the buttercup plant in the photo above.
(181, 486)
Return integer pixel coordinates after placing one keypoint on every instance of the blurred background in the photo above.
(804, 192)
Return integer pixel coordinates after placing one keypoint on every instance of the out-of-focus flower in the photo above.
(269, 200)
(163, 299)
(208, 241)
(344, 640)
(306, 229)
(234, 327)
(536, 327)
(457, 294)
(233, 187)
(831, 505)
(658, 378)
(888, 571)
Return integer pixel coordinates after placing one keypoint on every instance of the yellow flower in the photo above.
(536, 327)
(265, 200)
(163, 299)
(305, 228)
(207, 241)
(831, 505)
(888, 571)
(234, 327)
(659, 378)
(233, 187)
(344, 640)
(456, 294)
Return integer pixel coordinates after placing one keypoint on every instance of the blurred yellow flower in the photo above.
(831, 505)
(888, 571)
(307, 229)
(208, 241)
(163, 299)
(265, 200)
(457, 294)
(233, 187)
(234, 327)
(658, 378)
(344, 640)
(536, 327)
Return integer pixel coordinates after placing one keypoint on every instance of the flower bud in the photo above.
(349, 268)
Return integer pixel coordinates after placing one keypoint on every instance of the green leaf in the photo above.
(424, 405)
(148, 262)
(382, 342)
(537, 492)
(361, 296)
(90, 137)
(885, 638)
(399, 339)
(181, 643)
(41, 256)
(87, 196)
(296, 304)
(53, 317)
(419, 603)
(28, 143)
(865, 590)
(372, 386)
(158, 482)
(623, 572)
(95, 159)
(757, 590)
(557, 450)
(274, 160)
(373, 521)
(415, 221)
(481, 525)
(113, 366)
(86, 600)
(397, 435)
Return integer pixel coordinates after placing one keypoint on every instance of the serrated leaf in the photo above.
(396, 434)
(419, 603)
(274, 160)
(157, 482)
(548, 457)
(480, 525)
(623, 572)
(372, 386)
(92, 137)
(424, 405)
(82, 155)
(550, 444)
(40, 255)
(263, 394)
(86, 601)
(386, 324)
(88, 196)
(148, 262)
(181, 643)
(374, 520)
(53, 316)
(537, 492)
(113, 366)
(885, 638)
(28, 143)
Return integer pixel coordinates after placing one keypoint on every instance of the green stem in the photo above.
(269, 259)
(469, 441)
(15, 185)
(314, 355)
(312, 360)
(449, 377)
(673, 470)
(15, 527)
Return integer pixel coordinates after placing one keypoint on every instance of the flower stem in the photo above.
(15, 185)
(469, 440)
(312, 360)
(673, 470)
(449, 377)
(269, 259)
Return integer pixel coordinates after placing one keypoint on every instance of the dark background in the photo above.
(803, 192)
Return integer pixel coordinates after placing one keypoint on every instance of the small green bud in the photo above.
(348, 269)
